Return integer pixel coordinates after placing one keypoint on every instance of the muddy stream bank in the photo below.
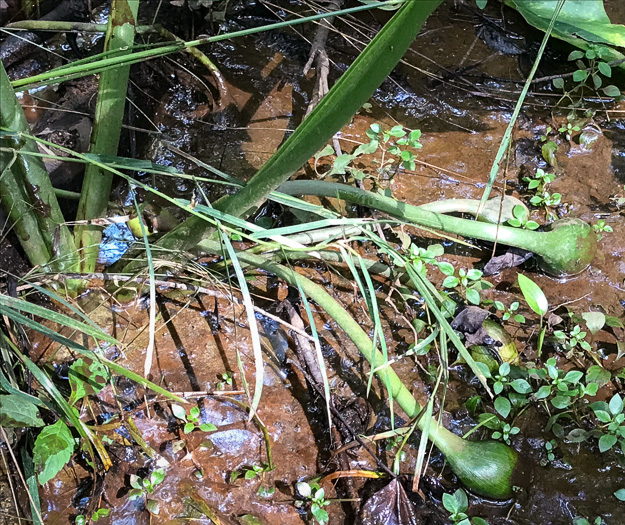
(462, 114)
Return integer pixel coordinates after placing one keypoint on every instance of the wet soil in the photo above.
(462, 114)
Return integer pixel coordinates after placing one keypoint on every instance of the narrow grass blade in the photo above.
(149, 353)
(55, 336)
(505, 141)
(108, 60)
(423, 443)
(251, 321)
(57, 317)
(31, 484)
(375, 315)
(320, 360)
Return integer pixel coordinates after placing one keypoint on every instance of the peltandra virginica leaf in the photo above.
(15, 412)
(533, 295)
(579, 19)
(53, 448)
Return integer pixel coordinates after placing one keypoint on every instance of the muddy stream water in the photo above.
(462, 119)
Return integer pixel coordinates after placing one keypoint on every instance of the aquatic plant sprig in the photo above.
(566, 249)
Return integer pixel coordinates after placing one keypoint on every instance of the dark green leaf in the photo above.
(152, 506)
(580, 75)
(575, 55)
(577, 435)
(86, 378)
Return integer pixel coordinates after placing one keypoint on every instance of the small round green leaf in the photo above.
(606, 442)
(502, 405)
(178, 412)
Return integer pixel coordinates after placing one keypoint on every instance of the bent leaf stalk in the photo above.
(567, 249)
(488, 468)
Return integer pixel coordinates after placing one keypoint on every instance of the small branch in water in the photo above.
(319, 55)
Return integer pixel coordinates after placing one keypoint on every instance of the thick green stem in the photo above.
(26, 191)
(109, 114)
(496, 210)
(487, 468)
(567, 249)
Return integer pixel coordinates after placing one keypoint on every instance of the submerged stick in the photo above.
(567, 249)
(488, 468)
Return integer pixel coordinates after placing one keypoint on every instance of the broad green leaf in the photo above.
(606, 442)
(53, 448)
(612, 91)
(446, 268)
(598, 374)
(367, 148)
(473, 296)
(561, 402)
(620, 494)
(152, 506)
(17, 413)
(341, 163)
(573, 376)
(521, 386)
(327, 150)
(586, 19)
(461, 498)
(603, 416)
(534, 296)
(595, 321)
(450, 503)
